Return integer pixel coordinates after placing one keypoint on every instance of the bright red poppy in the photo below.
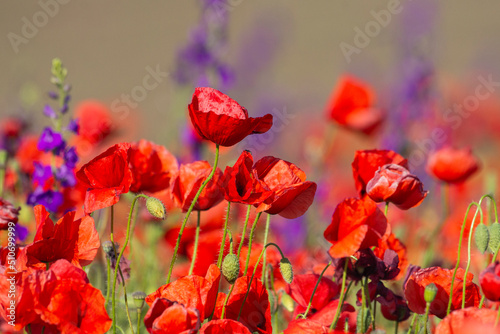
(74, 240)
(241, 182)
(415, 287)
(393, 183)
(220, 119)
(302, 288)
(396, 245)
(367, 162)
(94, 121)
(168, 317)
(293, 195)
(353, 105)
(223, 326)
(187, 181)
(356, 224)
(469, 320)
(8, 214)
(107, 176)
(452, 165)
(152, 167)
(490, 282)
(308, 326)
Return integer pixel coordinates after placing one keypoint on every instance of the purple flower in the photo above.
(64, 108)
(49, 112)
(70, 157)
(66, 176)
(52, 200)
(51, 141)
(73, 126)
(53, 95)
(42, 173)
(22, 232)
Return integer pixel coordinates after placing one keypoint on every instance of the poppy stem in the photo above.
(412, 322)
(471, 232)
(341, 298)
(244, 230)
(223, 243)
(108, 288)
(266, 234)
(188, 213)
(426, 316)
(396, 327)
(250, 239)
(196, 240)
(134, 222)
(458, 254)
(498, 317)
(139, 321)
(3, 168)
(304, 315)
(225, 301)
(386, 209)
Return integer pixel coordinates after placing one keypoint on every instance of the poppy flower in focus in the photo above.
(74, 240)
(452, 165)
(223, 326)
(152, 167)
(307, 326)
(220, 119)
(469, 320)
(352, 105)
(490, 282)
(187, 181)
(168, 317)
(107, 176)
(367, 162)
(393, 183)
(394, 244)
(241, 183)
(293, 195)
(394, 307)
(415, 287)
(356, 224)
(302, 288)
(8, 214)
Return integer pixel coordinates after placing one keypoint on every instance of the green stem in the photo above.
(304, 315)
(266, 234)
(28, 329)
(426, 316)
(134, 222)
(396, 327)
(374, 314)
(108, 289)
(250, 239)
(341, 298)
(386, 209)
(3, 168)
(191, 207)
(223, 243)
(225, 301)
(244, 231)
(139, 321)
(196, 240)
(469, 244)
(498, 317)
(412, 323)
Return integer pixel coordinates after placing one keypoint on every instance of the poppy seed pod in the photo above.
(287, 302)
(286, 270)
(155, 207)
(430, 293)
(494, 236)
(482, 238)
(231, 268)
(139, 298)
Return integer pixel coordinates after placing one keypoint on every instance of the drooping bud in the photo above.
(494, 236)
(155, 207)
(286, 270)
(139, 298)
(430, 293)
(231, 268)
(287, 302)
(108, 249)
(482, 237)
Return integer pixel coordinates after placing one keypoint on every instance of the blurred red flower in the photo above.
(8, 214)
(187, 181)
(107, 176)
(74, 240)
(223, 326)
(490, 282)
(28, 153)
(307, 326)
(356, 224)
(452, 165)
(367, 162)
(293, 195)
(152, 167)
(415, 287)
(469, 320)
(94, 121)
(168, 317)
(220, 119)
(352, 105)
(393, 183)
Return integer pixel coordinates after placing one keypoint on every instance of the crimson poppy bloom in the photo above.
(393, 183)
(307, 326)
(394, 307)
(415, 287)
(241, 182)
(220, 119)
(490, 282)
(302, 288)
(452, 165)
(168, 317)
(74, 240)
(469, 320)
(352, 105)
(367, 162)
(152, 167)
(192, 291)
(394, 244)
(8, 214)
(94, 121)
(293, 195)
(356, 224)
(223, 326)
(187, 181)
(107, 176)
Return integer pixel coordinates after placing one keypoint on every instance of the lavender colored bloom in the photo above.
(49, 112)
(73, 126)
(52, 200)
(64, 108)
(51, 141)
(42, 173)
(22, 232)
(53, 95)
(33, 197)
(70, 157)
(66, 176)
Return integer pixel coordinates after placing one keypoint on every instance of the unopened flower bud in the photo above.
(231, 268)
(139, 297)
(108, 249)
(430, 293)
(494, 236)
(155, 207)
(482, 237)
(286, 270)
(287, 302)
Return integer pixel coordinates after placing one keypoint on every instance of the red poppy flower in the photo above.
(8, 214)
(192, 291)
(452, 165)
(74, 240)
(186, 182)
(490, 282)
(393, 243)
(293, 195)
(152, 167)
(394, 307)
(220, 119)
(28, 153)
(241, 182)
(307, 326)
(394, 183)
(107, 176)
(223, 326)
(256, 314)
(302, 288)
(352, 105)
(273, 258)
(168, 317)
(367, 162)
(94, 121)
(469, 320)
(356, 224)
(415, 287)
(326, 315)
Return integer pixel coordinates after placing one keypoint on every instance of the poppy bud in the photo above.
(287, 302)
(155, 207)
(108, 249)
(430, 293)
(139, 297)
(286, 270)
(231, 268)
(482, 237)
(494, 236)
